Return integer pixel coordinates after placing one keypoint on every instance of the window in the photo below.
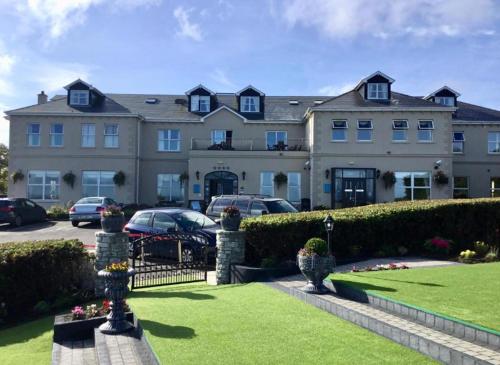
(378, 91)
(364, 130)
(111, 136)
(170, 188)
(33, 135)
(460, 187)
(294, 187)
(142, 219)
(267, 183)
(43, 185)
(339, 132)
(220, 204)
(493, 142)
(495, 187)
(257, 208)
(218, 136)
(164, 221)
(79, 97)
(399, 130)
(250, 104)
(458, 142)
(412, 186)
(445, 100)
(88, 135)
(56, 135)
(169, 140)
(242, 205)
(98, 183)
(276, 140)
(425, 128)
(200, 103)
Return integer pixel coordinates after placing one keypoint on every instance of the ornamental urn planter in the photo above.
(230, 222)
(112, 223)
(315, 268)
(116, 288)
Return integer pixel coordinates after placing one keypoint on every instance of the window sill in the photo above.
(425, 142)
(56, 146)
(33, 146)
(88, 148)
(339, 141)
(364, 141)
(494, 153)
(458, 153)
(400, 142)
(111, 148)
(166, 151)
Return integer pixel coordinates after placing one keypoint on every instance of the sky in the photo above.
(290, 47)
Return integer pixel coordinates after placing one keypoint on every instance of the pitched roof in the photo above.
(475, 113)
(457, 94)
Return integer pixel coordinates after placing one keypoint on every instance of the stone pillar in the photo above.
(110, 247)
(230, 250)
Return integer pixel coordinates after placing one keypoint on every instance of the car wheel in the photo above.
(18, 221)
(187, 255)
(43, 218)
(74, 223)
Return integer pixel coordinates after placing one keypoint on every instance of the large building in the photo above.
(368, 145)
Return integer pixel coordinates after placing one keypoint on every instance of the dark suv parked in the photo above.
(249, 205)
(18, 211)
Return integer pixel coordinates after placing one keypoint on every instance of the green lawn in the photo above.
(28, 343)
(254, 324)
(468, 292)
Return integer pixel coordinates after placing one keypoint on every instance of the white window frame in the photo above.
(46, 188)
(370, 129)
(99, 184)
(53, 135)
(344, 128)
(496, 142)
(377, 90)
(428, 129)
(412, 182)
(276, 138)
(215, 139)
(466, 189)
(299, 187)
(113, 137)
(396, 129)
(493, 187)
(88, 127)
(246, 104)
(79, 97)
(262, 186)
(200, 103)
(456, 142)
(445, 100)
(30, 134)
(171, 179)
(168, 141)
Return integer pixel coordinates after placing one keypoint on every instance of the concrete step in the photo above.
(74, 353)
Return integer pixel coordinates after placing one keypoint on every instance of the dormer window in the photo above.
(200, 103)
(378, 91)
(79, 97)
(250, 104)
(445, 100)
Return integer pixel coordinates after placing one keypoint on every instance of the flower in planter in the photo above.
(78, 313)
(106, 306)
(232, 211)
(92, 311)
(117, 267)
(112, 210)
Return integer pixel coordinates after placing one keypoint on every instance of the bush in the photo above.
(316, 245)
(130, 209)
(481, 248)
(33, 275)
(372, 227)
(57, 212)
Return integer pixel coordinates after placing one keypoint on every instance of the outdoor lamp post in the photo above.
(329, 229)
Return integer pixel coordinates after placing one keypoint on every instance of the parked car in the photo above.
(173, 220)
(249, 205)
(18, 211)
(89, 209)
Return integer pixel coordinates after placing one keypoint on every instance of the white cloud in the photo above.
(388, 18)
(334, 90)
(53, 77)
(4, 126)
(221, 78)
(187, 29)
(6, 64)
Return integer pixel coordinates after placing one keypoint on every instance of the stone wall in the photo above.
(110, 247)
(230, 250)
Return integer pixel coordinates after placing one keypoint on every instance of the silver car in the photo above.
(89, 209)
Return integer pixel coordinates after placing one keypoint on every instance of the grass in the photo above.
(467, 292)
(254, 324)
(28, 343)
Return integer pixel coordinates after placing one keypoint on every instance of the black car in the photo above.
(18, 211)
(195, 232)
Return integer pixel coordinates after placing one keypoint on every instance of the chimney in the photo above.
(42, 98)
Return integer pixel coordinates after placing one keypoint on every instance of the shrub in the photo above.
(438, 246)
(57, 212)
(32, 273)
(467, 255)
(481, 248)
(316, 246)
(130, 209)
(406, 224)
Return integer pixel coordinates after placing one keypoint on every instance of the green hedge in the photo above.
(57, 212)
(41, 274)
(371, 229)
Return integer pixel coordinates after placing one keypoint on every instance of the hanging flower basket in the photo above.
(119, 178)
(441, 178)
(69, 178)
(183, 178)
(280, 179)
(389, 179)
(17, 176)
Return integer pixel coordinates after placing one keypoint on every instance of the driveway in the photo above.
(50, 230)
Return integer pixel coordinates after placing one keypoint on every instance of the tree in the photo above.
(4, 164)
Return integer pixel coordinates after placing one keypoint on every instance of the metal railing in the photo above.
(254, 144)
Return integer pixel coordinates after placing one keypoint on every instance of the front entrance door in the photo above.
(221, 187)
(220, 183)
(353, 192)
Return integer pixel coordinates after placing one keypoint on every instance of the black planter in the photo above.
(230, 223)
(116, 284)
(112, 223)
(315, 268)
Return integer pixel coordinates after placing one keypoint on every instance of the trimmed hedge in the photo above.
(41, 271)
(374, 228)
(57, 212)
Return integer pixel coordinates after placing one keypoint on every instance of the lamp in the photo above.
(328, 221)
(327, 173)
(243, 175)
(378, 173)
(197, 175)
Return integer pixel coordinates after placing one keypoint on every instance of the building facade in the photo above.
(368, 145)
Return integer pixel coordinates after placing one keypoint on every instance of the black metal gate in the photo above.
(171, 258)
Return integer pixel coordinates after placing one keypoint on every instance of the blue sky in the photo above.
(293, 47)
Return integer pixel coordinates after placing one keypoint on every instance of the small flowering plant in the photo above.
(391, 266)
(93, 311)
(78, 313)
(232, 211)
(438, 246)
(111, 211)
(117, 267)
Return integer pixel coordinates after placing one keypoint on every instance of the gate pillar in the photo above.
(230, 250)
